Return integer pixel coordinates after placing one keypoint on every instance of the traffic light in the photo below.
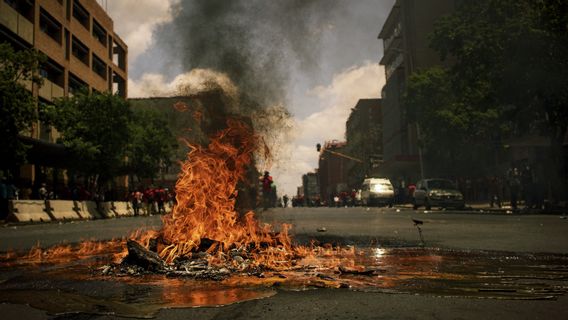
(318, 147)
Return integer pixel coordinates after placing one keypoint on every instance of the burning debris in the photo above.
(204, 237)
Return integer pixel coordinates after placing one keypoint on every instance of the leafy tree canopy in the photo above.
(17, 105)
(508, 76)
(95, 129)
(511, 54)
(152, 143)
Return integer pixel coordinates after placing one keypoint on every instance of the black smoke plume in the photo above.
(255, 42)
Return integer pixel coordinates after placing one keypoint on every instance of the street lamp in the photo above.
(318, 148)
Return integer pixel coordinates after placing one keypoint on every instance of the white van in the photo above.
(377, 191)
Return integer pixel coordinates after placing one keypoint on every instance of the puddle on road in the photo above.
(80, 287)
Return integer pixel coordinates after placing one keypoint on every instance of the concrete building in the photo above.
(82, 50)
(78, 38)
(364, 134)
(311, 190)
(332, 169)
(406, 50)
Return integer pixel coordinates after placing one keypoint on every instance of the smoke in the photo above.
(256, 43)
(274, 52)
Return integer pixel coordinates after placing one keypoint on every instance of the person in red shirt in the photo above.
(266, 181)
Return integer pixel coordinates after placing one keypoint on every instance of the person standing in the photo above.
(43, 193)
(267, 182)
(514, 186)
(285, 200)
(136, 198)
(494, 192)
(160, 196)
(527, 183)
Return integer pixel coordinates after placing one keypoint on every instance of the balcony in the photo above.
(16, 23)
(50, 90)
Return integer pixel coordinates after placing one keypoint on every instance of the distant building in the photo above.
(406, 49)
(332, 169)
(310, 185)
(82, 50)
(364, 134)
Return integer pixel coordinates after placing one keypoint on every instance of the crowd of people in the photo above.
(147, 200)
(151, 200)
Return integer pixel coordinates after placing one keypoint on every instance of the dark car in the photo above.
(437, 193)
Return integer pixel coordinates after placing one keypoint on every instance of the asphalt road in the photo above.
(447, 229)
(383, 226)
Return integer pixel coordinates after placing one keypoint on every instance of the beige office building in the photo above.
(82, 50)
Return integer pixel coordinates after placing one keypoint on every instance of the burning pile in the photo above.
(204, 237)
(204, 231)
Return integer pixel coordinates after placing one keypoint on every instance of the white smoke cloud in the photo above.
(197, 80)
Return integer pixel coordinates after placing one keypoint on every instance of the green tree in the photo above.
(152, 144)
(453, 130)
(17, 105)
(512, 54)
(508, 75)
(94, 127)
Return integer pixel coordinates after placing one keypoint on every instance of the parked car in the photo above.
(377, 191)
(437, 193)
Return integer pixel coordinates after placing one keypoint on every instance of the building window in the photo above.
(99, 33)
(76, 84)
(118, 85)
(99, 67)
(24, 8)
(119, 56)
(50, 26)
(52, 71)
(80, 51)
(81, 14)
(67, 44)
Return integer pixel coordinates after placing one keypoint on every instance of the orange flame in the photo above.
(206, 195)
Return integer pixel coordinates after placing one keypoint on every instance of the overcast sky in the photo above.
(318, 56)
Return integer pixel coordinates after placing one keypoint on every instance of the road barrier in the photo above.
(28, 211)
(122, 209)
(62, 210)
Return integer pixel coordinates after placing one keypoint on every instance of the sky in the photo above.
(316, 58)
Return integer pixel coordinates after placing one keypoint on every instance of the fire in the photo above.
(206, 195)
(204, 221)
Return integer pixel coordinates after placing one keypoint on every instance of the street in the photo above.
(381, 227)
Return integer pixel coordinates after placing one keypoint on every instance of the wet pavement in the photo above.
(383, 270)
(80, 286)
